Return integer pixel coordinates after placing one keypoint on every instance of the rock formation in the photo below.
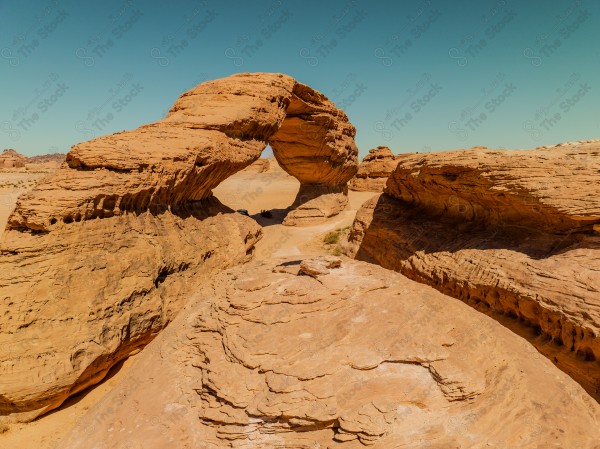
(99, 256)
(374, 170)
(333, 353)
(212, 131)
(11, 159)
(512, 233)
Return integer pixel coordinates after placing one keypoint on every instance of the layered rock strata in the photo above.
(98, 257)
(374, 170)
(335, 353)
(513, 233)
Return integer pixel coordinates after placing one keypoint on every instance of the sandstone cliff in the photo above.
(337, 353)
(512, 233)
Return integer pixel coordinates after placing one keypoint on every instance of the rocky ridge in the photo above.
(512, 233)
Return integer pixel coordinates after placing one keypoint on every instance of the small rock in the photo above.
(319, 266)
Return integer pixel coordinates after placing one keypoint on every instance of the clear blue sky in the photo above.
(416, 76)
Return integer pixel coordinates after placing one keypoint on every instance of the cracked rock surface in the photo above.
(351, 356)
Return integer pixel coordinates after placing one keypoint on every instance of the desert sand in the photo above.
(275, 191)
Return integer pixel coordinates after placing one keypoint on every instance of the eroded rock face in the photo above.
(512, 233)
(211, 132)
(80, 299)
(95, 259)
(349, 356)
(374, 170)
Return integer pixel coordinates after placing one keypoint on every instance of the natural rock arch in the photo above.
(102, 254)
(211, 132)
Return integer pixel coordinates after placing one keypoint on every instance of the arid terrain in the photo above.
(250, 189)
(166, 287)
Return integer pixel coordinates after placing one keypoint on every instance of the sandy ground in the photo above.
(272, 190)
(275, 191)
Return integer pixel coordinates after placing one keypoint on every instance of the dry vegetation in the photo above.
(332, 240)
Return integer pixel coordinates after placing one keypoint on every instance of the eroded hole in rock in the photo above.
(263, 190)
(165, 272)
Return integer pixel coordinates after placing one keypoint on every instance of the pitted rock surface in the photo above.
(513, 233)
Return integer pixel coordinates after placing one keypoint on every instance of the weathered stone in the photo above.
(374, 170)
(509, 232)
(262, 357)
(99, 256)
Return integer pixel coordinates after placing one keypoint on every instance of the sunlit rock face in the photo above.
(514, 233)
(99, 256)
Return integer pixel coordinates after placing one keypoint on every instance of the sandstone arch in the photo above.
(211, 132)
(102, 254)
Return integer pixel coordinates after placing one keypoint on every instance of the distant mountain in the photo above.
(54, 157)
(10, 153)
(10, 158)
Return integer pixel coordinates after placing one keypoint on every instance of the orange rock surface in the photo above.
(331, 352)
(374, 170)
(97, 258)
(513, 233)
